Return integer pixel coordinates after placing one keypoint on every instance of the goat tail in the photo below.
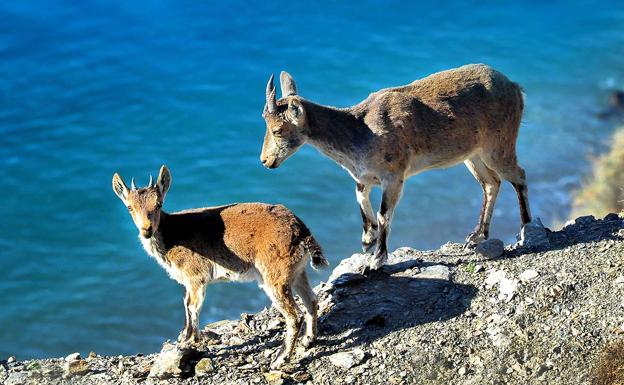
(312, 248)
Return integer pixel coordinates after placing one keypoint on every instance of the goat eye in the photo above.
(129, 208)
(278, 130)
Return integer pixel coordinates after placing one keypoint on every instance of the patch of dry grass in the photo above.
(610, 369)
(603, 192)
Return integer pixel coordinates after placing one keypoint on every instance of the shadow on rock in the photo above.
(359, 309)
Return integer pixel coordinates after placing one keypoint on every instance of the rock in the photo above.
(528, 275)
(435, 272)
(92, 355)
(76, 367)
(301, 376)
(478, 268)
(168, 363)
(11, 359)
(274, 377)
(204, 366)
(612, 217)
(533, 235)
(494, 277)
(507, 288)
(585, 220)
(72, 357)
(17, 378)
(492, 248)
(347, 360)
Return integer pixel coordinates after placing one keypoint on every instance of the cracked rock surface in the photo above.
(540, 313)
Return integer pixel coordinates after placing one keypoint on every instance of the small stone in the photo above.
(204, 366)
(533, 234)
(167, 363)
(492, 248)
(347, 360)
(584, 220)
(611, 217)
(435, 272)
(619, 280)
(301, 376)
(528, 275)
(462, 371)
(11, 359)
(274, 377)
(494, 277)
(76, 367)
(73, 357)
(478, 268)
(275, 323)
(507, 288)
(92, 354)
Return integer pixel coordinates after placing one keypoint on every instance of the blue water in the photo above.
(90, 88)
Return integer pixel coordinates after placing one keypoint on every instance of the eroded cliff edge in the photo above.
(536, 314)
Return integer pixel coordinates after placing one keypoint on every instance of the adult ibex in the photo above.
(469, 114)
(237, 242)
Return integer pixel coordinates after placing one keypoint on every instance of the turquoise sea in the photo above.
(88, 88)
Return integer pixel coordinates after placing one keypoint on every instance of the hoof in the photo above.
(278, 362)
(377, 261)
(473, 239)
(366, 247)
(307, 341)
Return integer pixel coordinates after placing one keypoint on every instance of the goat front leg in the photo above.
(185, 334)
(369, 223)
(391, 194)
(193, 303)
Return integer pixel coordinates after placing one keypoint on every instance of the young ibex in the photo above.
(469, 114)
(237, 242)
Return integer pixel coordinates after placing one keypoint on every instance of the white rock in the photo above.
(347, 360)
(167, 363)
(11, 359)
(494, 277)
(528, 275)
(435, 272)
(73, 357)
(507, 288)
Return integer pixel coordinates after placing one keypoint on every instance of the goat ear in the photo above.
(120, 188)
(164, 181)
(287, 83)
(295, 110)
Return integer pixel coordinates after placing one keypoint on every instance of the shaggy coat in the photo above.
(470, 114)
(237, 242)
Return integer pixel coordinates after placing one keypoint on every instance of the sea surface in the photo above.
(88, 88)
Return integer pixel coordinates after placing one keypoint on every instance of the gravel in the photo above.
(539, 314)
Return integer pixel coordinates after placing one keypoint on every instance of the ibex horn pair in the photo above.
(151, 183)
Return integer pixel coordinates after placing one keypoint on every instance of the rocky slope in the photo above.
(539, 313)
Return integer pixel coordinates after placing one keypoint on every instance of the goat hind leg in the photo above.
(283, 300)
(310, 303)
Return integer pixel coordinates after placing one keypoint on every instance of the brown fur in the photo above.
(469, 114)
(242, 241)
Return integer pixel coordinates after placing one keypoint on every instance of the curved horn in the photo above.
(270, 95)
(151, 183)
(132, 185)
